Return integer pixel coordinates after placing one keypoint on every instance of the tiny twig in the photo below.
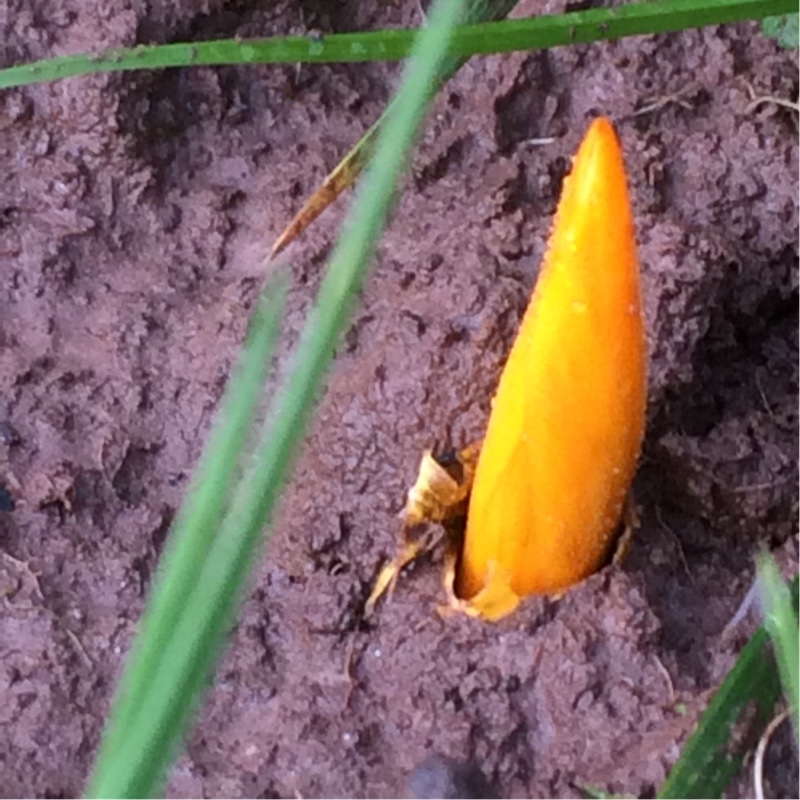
(763, 395)
(678, 544)
(758, 487)
(776, 101)
(759, 99)
(78, 645)
(758, 763)
(657, 103)
(665, 672)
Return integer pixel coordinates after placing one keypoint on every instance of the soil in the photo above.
(135, 213)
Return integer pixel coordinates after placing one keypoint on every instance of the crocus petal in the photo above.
(568, 417)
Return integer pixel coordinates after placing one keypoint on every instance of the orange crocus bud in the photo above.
(568, 418)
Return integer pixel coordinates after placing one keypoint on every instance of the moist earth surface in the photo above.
(136, 211)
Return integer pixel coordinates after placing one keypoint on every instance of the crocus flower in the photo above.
(568, 417)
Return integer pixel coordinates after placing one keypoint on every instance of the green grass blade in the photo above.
(140, 745)
(710, 759)
(656, 16)
(780, 620)
(192, 536)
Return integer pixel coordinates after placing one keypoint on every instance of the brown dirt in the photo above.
(134, 213)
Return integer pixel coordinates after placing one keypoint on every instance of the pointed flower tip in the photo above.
(571, 400)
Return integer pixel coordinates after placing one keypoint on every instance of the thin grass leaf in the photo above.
(191, 539)
(347, 171)
(139, 747)
(576, 26)
(342, 177)
(780, 620)
(712, 755)
(596, 24)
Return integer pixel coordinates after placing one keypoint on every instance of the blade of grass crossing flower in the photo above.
(711, 756)
(780, 620)
(347, 171)
(191, 538)
(143, 752)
